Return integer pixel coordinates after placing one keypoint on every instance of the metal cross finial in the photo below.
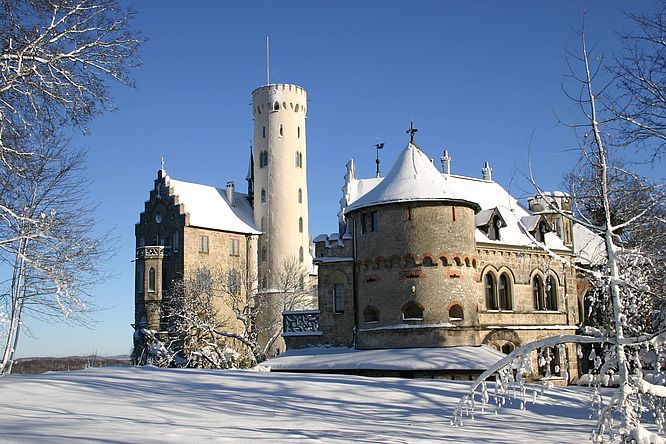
(378, 146)
(411, 132)
(162, 158)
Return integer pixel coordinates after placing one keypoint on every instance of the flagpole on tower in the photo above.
(268, 63)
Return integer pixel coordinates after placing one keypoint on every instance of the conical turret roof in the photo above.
(413, 177)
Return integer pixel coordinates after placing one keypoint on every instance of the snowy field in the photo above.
(130, 404)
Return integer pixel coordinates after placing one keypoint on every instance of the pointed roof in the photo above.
(413, 177)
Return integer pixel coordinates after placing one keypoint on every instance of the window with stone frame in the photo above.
(234, 247)
(545, 296)
(369, 222)
(338, 298)
(504, 292)
(203, 244)
(490, 286)
(456, 313)
(151, 279)
(507, 348)
(412, 311)
(370, 314)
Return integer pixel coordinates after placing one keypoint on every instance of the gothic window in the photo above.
(300, 224)
(300, 254)
(235, 247)
(263, 195)
(203, 244)
(370, 314)
(551, 293)
(456, 313)
(176, 241)
(338, 298)
(276, 107)
(537, 291)
(151, 279)
(300, 195)
(491, 291)
(412, 311)
(504, 292)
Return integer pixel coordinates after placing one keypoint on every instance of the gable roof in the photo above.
(208, 207)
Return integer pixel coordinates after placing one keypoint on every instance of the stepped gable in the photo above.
(412, 178)
(208, 207)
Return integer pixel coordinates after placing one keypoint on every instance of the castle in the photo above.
(423, 258)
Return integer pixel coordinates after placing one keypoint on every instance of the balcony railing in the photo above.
(152, 251)
(301, 323)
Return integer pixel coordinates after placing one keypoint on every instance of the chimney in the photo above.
(230, 193)
(446, 162)
(487, 172)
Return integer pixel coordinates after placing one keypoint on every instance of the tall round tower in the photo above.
(280, 180)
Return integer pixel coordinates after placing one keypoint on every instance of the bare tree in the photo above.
(56, 59)
(641, 79)
(219, 319)
(622, 278)
(47, 243)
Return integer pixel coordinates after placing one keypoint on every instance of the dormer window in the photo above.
(541, 232)
(494, 228)
(490, 222)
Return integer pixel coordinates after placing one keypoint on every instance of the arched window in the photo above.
(296, 108)
(551, 293)
(412, 311)
(491, 291)
(507, 348)
(537, 291)
(300, 160)
(151, 279)
(338, 281)
(409, 262)
(281, 132)
(456, 313)
(263, 254)
(504, 292)
(300, 254)
(296, 159)
(276, 107)
(300, 196)
(263, 195)
(427, 261)
(370, 314)
(284, 105)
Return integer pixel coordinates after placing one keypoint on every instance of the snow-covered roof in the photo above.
(343, 358)
(208, 207)
(413, 177)
(588, 247)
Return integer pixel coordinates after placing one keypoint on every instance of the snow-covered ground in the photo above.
(130, 404)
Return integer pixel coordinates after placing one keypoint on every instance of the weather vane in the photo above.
(378, 146)
(411, 132)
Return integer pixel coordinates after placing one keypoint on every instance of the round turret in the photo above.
(280, 180)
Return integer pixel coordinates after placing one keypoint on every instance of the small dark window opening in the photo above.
(490, 285)
(409, 213)
(281, 133)
(300, 195)
(300, 224)
(276, 107)
(263, 254)
(263, 132)
(456, 313)
(453, 213)
(263, 195)
(427, 262)
(299, 132)
(370, 314)
(412, 311)
(507, 348)
(151, 279)
(300, 254)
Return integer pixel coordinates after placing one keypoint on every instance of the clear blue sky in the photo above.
(480, 78)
